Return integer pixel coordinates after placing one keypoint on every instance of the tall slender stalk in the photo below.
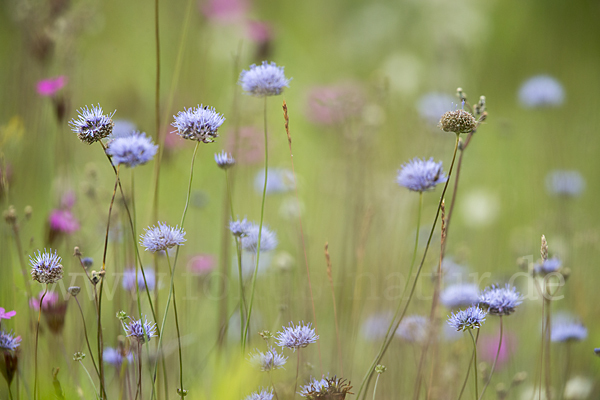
(475, 363)
(86, 337)
(262, 213)
(495, 361)
(462, 390)
(37, 332)
(172, 273)
(388, 339)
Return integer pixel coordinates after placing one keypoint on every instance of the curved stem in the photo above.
(375, 387)
(369, 373)
(297, 372)
(86, 337)
(495, 361)
(172, 272)
(262, 213)
(468, 371)
(37, 332)
(475, 363)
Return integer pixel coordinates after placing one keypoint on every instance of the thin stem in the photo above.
(464, 385)
(37, 332)
(297, 372)
(222, 325)
(90, 377)
(273, 385)
(262, 213)
(189, 191)
(475, 364)
(312, 300)
(495, 361)
(172, 272)
(375, 387)
(10, 396)
(157, 84)
(567, 369)
(369, 373)
(86, 336)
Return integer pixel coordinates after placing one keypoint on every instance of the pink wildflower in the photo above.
(63, 221)
(49, 87)
(6, 315)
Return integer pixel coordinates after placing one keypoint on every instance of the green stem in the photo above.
(37, 332)
(86, 337)
(495, 361)
(262, 213)
(172, 272)
(468, 371)
(91, 380)
(388, 339)
(375, 387)
(475, 364)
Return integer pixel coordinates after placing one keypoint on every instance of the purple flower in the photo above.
(6, 315)
(63, 221)
(8, 341)
(92, 125)
(295, 337)
(224, 160)
(268, 239)
(413, 328)
(129, 279)
(500, 300)
(49, 87)
(162, 237)
(200, 123)
(421, 175)
(471, 318)
(132, 150)
(263, 80)
(460, 295)
(565, 331)
(115, 357)
(541, 91)
(568, 183)
(46, 267)
(140, 330)
(269, 360)
(262, 395)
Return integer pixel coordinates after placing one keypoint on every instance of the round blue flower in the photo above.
(46, 267)
(200, 123)
(314, 386)
(549, 266)
(268, 239)
(8, 341)
(541, 91)
(295, 337)
(413, 328)
(279, 180)
(263, 80)
(460, 295)
(568, 332)
(129, 279)
(137, 328)
(240, 228)
(92, 125)
(122, 128)
(162, 237)
(568, 183)
(471, 318)
(421, 175)
(115, 357)
(500, 301)
(132, 150)
(262, 395)
(224, 160)
(432, 105)
(269, 360)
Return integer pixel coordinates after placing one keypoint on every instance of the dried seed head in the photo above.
(74, 290)
(10, 215)
(459, 121)
(544, 249)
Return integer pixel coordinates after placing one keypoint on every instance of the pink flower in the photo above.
(259, 31)
(6, 315)
(249, 148)
(202, 264)
(225, 10)
(333, 104)
(63, 221)
(488, 346)
(50, 300)
(49, 87)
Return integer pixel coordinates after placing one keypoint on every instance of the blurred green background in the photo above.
(391, 53)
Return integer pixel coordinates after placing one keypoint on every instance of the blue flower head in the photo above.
(8, 341)
(115, 357)
(162, 237)
(294, 337)
(200, 123)
(240, 228)
(132, 150)
(460, 295)
(500, 300)
(314, 386)
(129, 279)
(421, 175)
(541, 91)
(224, 160)
(268, 239)
(279, 180)
(568, 331)
(471, 318)
(263, 80)
(325, 388)
(261, 395)
(46, 267)
(548, 266)
(413, 328)
(269, 360)
(567, 183)
(92, 125)
(140, 330)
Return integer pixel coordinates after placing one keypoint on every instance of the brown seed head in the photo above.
(459, 121)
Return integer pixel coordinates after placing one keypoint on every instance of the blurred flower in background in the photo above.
(123, 128)
(487, 348)
(541, 91)
(568, 183)
(333, 104)
(202, 264)
(49, 87)
(279, 180)
(224, 11)
(431, 106)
